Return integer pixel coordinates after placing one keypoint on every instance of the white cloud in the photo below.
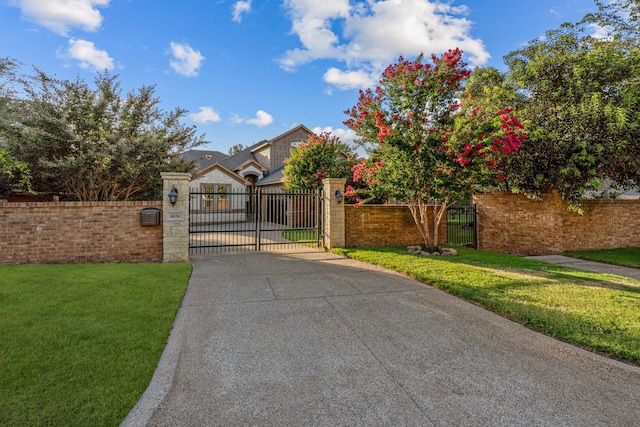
(368, 36)
(205, 115)
(62, 15)
(186, 61)
(600, 32)
(348, 136)
(240, 8)
(236, 119)
(88, 56)
(261, 120)
(349, 79)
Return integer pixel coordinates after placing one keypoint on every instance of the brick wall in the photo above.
(511, 223)
(70, 232)
(382, 225)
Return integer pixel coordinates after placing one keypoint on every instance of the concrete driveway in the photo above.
(309, 338)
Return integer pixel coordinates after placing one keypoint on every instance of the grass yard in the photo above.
(626, 257)
(301, 236)
(460, 226)
(80, 342)
(596, 311)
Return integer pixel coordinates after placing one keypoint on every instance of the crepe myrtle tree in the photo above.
(431, 144)
(321, 156)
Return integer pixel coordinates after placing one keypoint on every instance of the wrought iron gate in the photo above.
(462, 226)
(254, 220)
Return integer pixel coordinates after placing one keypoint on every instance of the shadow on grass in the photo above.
(551, 299)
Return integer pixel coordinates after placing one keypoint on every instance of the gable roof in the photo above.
(220, 167)
(246, 155)
(275, 177)
(208, 160)
(250, 163)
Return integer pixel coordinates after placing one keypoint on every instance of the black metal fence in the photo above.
(255, 220)
(462, 226)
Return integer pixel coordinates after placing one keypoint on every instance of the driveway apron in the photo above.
(308, 338)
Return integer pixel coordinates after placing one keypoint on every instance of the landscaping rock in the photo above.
(417, 250)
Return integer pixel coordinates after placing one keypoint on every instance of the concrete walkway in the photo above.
(313, 339)
(581, 264)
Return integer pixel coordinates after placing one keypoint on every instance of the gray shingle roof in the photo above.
(274, 177)
(232, 162)
(204, 158)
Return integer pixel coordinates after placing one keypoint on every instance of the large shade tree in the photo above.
(432, 146)
(581, 105)
(94, 142)
(14, 174)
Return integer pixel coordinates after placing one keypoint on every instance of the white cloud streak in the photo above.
(186, 61)
(61, 15)
(205, 115)
(240, 8)
(261, 119)
(88, 56)
(367, 36)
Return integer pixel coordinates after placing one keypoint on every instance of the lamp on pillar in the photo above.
(173, 195)
(339, 196)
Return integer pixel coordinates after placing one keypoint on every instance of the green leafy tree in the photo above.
(432, 145)
(13, 174)
(319, 157)
(582, 114)
(236, 149)
(619, 20)
(93, 143)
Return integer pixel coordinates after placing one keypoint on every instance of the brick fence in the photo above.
(71, 232)
(383, 225)
(511, 223)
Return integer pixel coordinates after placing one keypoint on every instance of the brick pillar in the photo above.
(175, 218)
(333, 215)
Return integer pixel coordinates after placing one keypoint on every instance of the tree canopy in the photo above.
(321, 156)
(580, 101)
(93, 143)
(432, 144)
(238, 148)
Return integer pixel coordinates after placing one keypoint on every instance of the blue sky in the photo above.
(250, 70)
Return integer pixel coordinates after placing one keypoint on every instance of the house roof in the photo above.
(207, 160)
(203, 158)
(223, 169)
(246, 155)
(275, 177)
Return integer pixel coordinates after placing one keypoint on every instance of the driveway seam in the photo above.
(386, 369)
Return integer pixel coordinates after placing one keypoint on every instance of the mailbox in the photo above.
(150, 216)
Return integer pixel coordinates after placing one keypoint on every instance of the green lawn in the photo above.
(301, 236)
(626, 257)
(80, 342)
(596, 311)
(460, 228)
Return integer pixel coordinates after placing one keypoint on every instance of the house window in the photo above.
(223, 197)
(215, 196)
